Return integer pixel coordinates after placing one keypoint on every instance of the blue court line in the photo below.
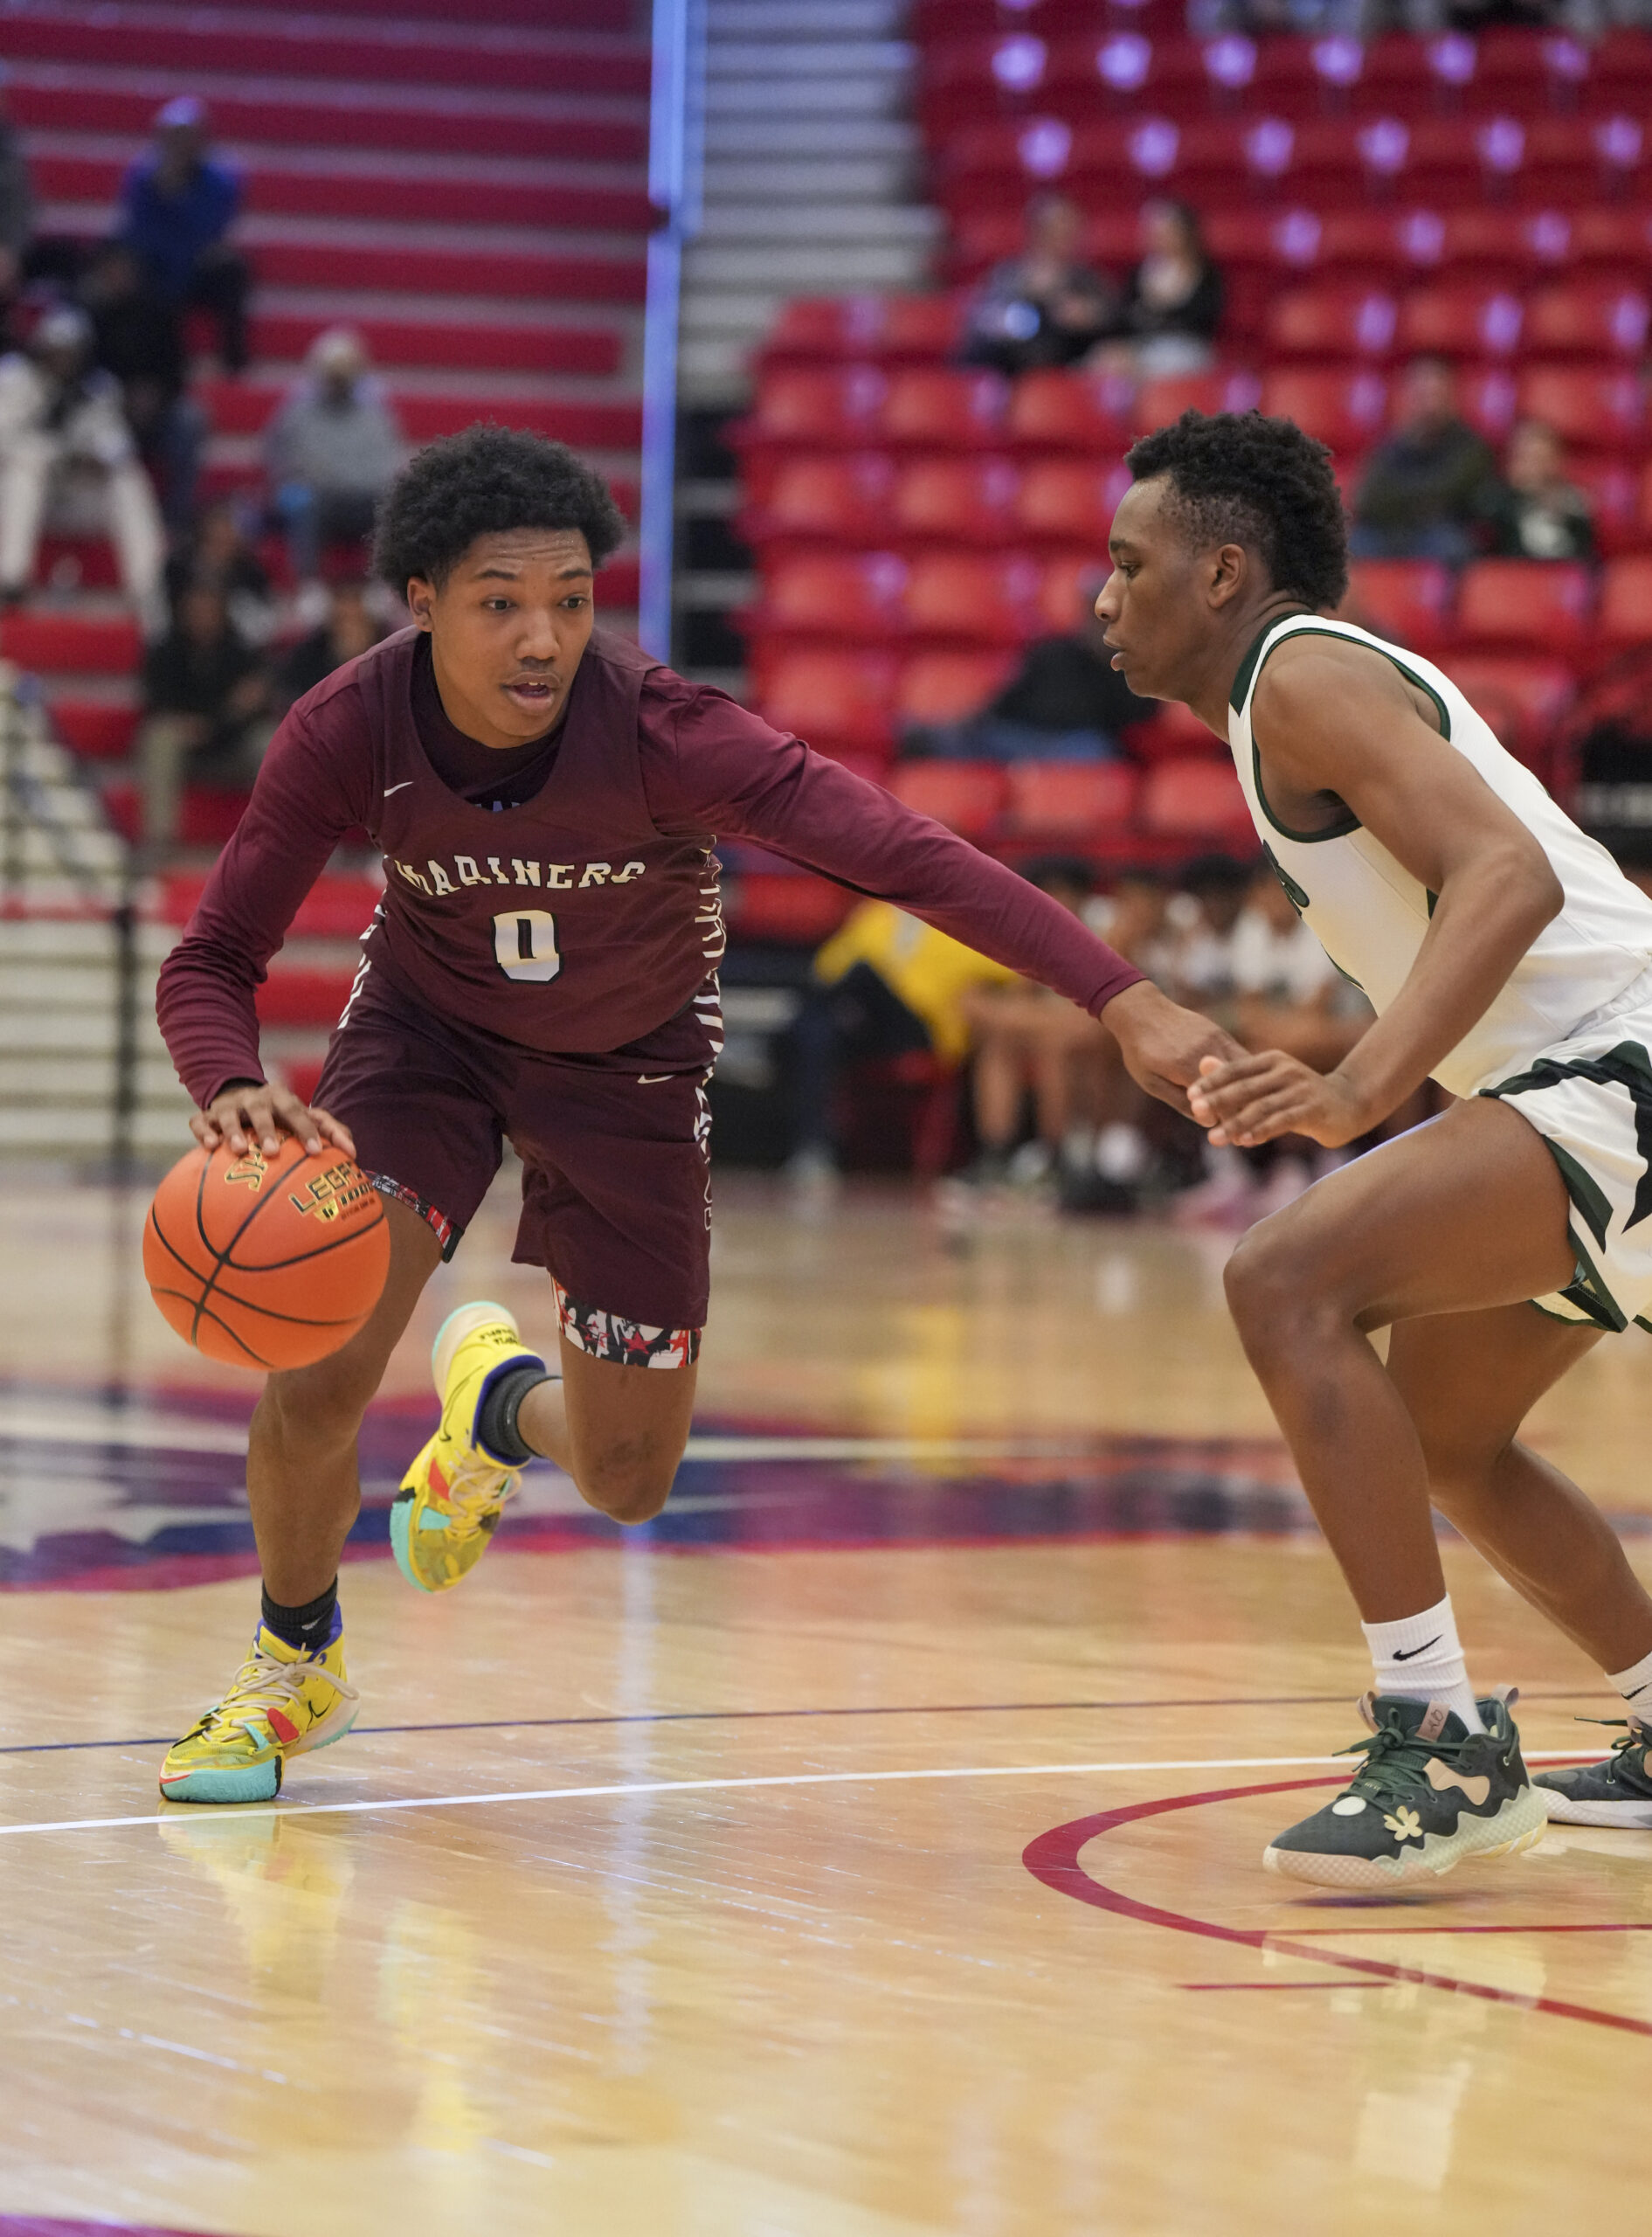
(752, 1716)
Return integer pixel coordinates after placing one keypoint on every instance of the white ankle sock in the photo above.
(1636, 1686)
(1420, 1659)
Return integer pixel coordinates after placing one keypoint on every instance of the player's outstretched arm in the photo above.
(1163, 1046)
(1338, 724)
(251, 1110)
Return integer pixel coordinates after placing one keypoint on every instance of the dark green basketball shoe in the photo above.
(1431, 1794)
(1615, 1792)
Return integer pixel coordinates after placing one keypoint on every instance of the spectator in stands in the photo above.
(206, 696)
(17, 202)
(1046, 307)
(885, 985)
(1425, 490)
(138, 336)
(61, 415)
(1536, 513)
(350, 628)
(1276, 989)
(1088, 1146)
(217, 552)
(333, 448)
(1065, 702)
(177, 204)
(1172, 302)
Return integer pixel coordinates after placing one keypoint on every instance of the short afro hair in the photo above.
(486, 480)
(1237, 478)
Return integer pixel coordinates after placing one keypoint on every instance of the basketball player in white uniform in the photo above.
(1508, 959)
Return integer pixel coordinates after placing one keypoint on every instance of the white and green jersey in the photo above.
(1370, 914)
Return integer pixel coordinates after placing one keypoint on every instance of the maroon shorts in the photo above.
(615, 1151)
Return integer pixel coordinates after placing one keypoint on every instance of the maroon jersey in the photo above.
(582, 919)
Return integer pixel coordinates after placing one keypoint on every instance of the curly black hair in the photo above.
(486, 480)
(1237, 478)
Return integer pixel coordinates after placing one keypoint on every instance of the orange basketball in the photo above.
(267, 1262)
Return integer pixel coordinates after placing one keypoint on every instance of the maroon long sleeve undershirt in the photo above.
(708, 766)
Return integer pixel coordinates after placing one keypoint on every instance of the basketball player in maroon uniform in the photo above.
(542, 966)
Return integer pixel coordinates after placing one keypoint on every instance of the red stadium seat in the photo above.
(946, 687)
(1332, 322)
(1504, 247)
(1174, 733)
(1196, 801)
(1540, 604)
(1407, 599)
(1486, 398)
(1381, 247)
(1586, 405)
(1601, 321)
(1160, 402)
(834, 498)
(1069, 802)
(1522, 699)
(967, 796)
(971, 598)
(1576, 158)
(831, 407)
(1345, 410)
(1064, 411)
(831, 698)
(1613, 488)
(1520, 67)
(1070, 502)
(917, 328)
(1626, 602)
(939, 408)
(830, 594)
(1067, 588)
(952, 499)
(1461, 321)
(811, 326)
(1623, 66)
(1613, 241)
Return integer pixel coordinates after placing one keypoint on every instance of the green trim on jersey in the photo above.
(1244, 687)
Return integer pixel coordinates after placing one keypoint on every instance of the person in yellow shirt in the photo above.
(885, 985)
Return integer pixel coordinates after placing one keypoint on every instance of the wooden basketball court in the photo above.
(870, 1846)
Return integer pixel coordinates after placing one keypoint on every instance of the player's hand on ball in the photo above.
(250, 1112)
(1257, 1098)
(1164, 1045)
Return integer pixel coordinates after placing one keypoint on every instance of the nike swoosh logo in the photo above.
(402, 787)
(1636, 1694)
(653, 1079)
(1410, 1654)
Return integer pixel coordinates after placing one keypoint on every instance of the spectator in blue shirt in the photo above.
(176, 205)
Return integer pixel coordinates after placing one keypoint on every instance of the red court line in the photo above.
(1053, 1858)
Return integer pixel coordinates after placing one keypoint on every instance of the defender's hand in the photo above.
(251, 1111)
(1256, 1098)
(1164, 1045)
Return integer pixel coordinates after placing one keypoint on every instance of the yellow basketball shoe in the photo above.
(284, 1702)
(449, 1505)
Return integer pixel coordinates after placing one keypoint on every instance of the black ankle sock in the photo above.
(496, 1427)
(306, 1628)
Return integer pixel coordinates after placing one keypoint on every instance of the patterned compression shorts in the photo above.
(615, 1151)
(1590, 1097)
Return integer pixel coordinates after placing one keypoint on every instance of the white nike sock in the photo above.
(1636, 1686)
(1420, 1659)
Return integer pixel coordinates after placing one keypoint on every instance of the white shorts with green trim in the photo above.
(1590, 1097)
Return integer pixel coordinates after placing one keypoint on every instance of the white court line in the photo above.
(711, 1786)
